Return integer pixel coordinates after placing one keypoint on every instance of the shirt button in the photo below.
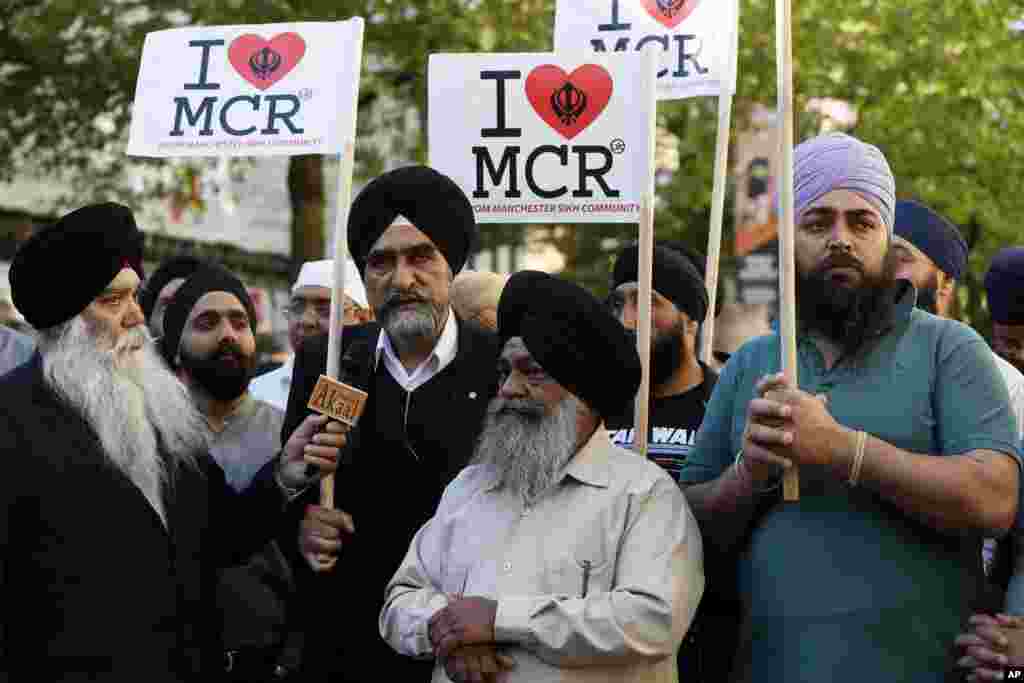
(508, 566)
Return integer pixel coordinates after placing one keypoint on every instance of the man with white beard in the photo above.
(556, 555)
(113, 518)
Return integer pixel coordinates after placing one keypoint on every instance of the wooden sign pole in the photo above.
(787, 266)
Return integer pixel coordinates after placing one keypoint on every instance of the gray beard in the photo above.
(133, 403)
(526, 448)
(409, 328)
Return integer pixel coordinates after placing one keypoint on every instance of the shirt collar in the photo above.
(443, 353)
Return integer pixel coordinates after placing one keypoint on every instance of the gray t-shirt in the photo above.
(15, 349)
(251, 438)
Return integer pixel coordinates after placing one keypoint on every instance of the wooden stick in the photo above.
(714, 253)
(643, 322)
(646, 266)
(787, 267)
(715, 229)
(337, 324)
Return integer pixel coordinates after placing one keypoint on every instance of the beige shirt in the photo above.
(618, 513)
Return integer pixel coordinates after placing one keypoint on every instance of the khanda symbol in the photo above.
(670, 7)
(264, 62)
(568, 102)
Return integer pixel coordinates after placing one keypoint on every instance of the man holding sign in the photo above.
(905, 440)
(429, 377)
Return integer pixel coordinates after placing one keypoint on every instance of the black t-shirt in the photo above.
(673, 423)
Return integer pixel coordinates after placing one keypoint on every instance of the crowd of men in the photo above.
(161, 519)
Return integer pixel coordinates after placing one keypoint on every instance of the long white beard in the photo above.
(134, 404)
(526, 448)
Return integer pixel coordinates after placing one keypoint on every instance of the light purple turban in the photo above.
(836, 161)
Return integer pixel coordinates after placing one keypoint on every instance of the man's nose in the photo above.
(134, 317)
(403, 277)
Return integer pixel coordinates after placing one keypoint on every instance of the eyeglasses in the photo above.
(296, 309)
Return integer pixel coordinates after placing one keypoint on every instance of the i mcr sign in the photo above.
(695, 39)
(533, 138)
(245, 90)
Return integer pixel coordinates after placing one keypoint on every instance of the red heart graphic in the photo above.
(670, 13)
(569, 103)
(264, 62)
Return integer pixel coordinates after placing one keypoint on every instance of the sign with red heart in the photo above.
(569, 102)
(248, 90)
(264, 62)
(695, 40)
(545, 138)
(670, 13)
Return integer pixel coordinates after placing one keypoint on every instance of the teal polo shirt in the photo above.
(842, 585)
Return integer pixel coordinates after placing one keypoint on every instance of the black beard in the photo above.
(666, 356)
(221, 380)
(845, 315)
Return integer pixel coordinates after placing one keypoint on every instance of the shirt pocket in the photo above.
(578, 573)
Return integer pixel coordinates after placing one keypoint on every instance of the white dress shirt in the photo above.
(272, 387)
(442, 355)
(597, 582)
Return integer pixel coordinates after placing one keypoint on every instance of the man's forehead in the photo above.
(842, 200)
(127, 278)
(401, 236)
(312, 292)
(221, 302)
(631, 288)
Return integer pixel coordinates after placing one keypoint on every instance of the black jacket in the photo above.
(92, 585)
(405, 450)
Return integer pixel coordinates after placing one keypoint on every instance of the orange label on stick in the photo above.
(337, 400)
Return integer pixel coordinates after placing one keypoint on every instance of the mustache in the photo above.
(228, 350)
(398, 297)
(841, 260)
(135, 338)
(516, 406)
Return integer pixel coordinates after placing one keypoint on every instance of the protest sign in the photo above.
(544, 138)
(695, 39)
(255, 90)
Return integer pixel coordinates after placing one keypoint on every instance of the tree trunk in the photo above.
(306, 190)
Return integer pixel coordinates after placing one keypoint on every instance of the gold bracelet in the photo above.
(858, 458)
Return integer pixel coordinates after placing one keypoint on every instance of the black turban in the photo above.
(180, 266)
(1004, 283)
(674, 277)
(87, 248)
(210, 278)
(934, 235)
(431, 201)
(573, 337)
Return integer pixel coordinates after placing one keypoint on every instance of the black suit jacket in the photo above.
(389, 491)
(92, 585)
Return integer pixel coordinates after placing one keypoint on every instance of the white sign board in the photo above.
(247, 90)
(544, 138)
(695, 39)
